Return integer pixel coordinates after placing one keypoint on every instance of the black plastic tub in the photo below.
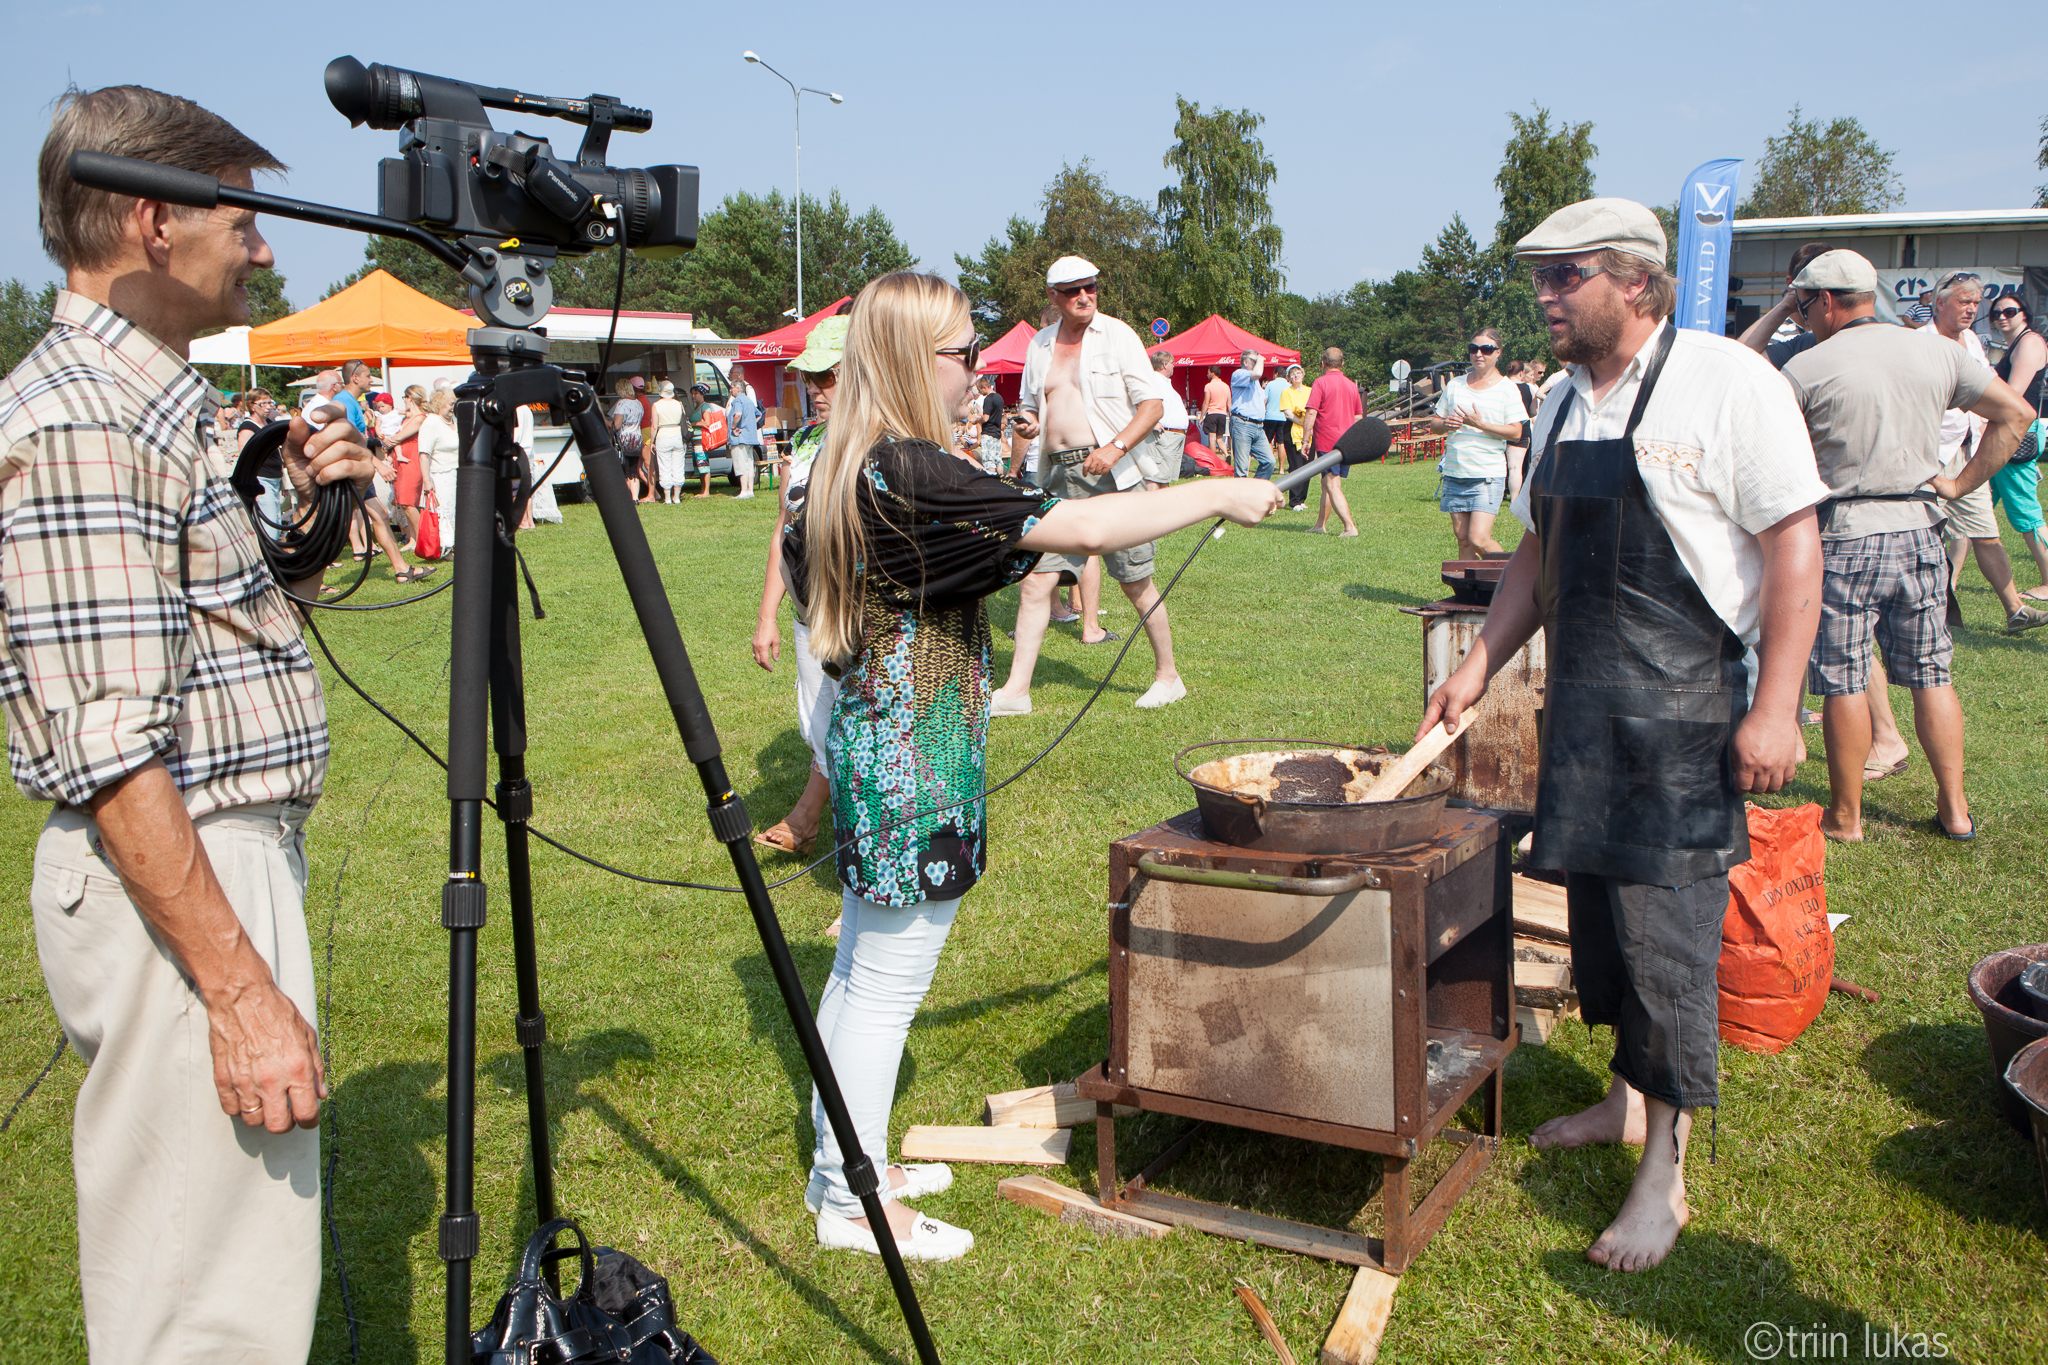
(1995, 988)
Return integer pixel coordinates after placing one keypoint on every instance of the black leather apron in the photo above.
(1646, 683)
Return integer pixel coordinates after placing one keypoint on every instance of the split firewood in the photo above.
(1250, 1298)
(1355, 1337)
(1542, 985)
(1540, 910)
(1044, 1106)
(1074, 1206)
(1536, 1024)
(1008, 1144)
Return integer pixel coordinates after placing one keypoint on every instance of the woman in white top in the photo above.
(441, 452)
(1481, 411)
(669, 450)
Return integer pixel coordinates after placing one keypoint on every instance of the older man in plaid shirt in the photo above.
(158, 694)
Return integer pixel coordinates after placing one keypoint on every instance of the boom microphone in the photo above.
(1366, 439)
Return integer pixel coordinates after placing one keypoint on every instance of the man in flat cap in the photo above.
(1873, 397)
(1672, 559)
(1088, 381)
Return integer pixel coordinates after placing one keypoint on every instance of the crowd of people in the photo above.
(1705, 540)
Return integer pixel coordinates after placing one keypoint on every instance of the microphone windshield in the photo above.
(1366, 439)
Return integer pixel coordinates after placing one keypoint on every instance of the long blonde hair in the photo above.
(888, 390)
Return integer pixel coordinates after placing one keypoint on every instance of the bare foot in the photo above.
(1617, 1118)
(1647, 1227)
(1840, 831)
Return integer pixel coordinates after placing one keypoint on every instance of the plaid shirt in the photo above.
(137, 617)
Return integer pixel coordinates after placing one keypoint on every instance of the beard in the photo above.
(1591, 332)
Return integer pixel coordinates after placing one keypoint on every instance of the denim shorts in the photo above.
(1471, 495)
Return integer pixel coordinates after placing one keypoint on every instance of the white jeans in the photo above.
(880, 973)
(444, 496)
(743, 459)
(669, 456)
(815, 693)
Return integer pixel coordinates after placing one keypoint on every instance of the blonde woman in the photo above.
(896, 547)
(441, 452)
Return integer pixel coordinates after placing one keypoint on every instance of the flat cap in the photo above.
(1846, 271)
(1068, 269)
(1597, 225)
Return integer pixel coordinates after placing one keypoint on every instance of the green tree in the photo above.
(1809, 171)
(1082, 216)
(410, 265)
(1541, 170)
(24, 317)
(1221, 246)
(2041, 164)
(1457, 278)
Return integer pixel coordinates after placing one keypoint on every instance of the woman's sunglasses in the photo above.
(1481, 350)
(2004, 314)
(970, 354)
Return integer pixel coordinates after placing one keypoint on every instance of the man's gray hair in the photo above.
(1954, 281)
(82, 227)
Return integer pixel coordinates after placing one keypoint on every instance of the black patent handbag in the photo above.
(620, 1312)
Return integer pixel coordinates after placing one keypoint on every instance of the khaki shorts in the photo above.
(1158, 456)
(1067, 481)
(1970, 517)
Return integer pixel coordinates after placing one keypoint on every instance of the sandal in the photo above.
(781, 836)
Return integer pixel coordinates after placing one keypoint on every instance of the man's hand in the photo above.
(1944, 488)
(1102, 461)
(1768, 750)
(1459, 692)
(1248, 501)
(266, 1058)
(1026, 424)
(334, 452)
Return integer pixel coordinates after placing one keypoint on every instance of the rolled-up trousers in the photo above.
(198, 1236)
(1644, 959)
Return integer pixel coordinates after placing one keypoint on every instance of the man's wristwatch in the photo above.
(1118, 442)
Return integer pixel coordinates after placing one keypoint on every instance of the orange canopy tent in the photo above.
(375, 318)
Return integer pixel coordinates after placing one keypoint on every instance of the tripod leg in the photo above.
(729, 822)
(462, 899)
(515, 807)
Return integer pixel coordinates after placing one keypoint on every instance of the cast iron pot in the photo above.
(1302, 797)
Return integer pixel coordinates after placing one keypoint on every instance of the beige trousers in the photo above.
(198, 1236)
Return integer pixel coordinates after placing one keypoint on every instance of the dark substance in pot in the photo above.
(1316, 779)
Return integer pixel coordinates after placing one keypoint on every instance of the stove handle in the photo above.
(1152, 866)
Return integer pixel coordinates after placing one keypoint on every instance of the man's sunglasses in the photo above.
(2004, 314)
(1067, 291)
(1562, 279)
(1481, 350)
(970, 354)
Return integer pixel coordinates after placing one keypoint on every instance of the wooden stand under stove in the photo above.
(1449, 974)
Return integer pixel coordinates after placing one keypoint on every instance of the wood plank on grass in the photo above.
(1355, 1337)
(1540, 910)
(1043, 1106)
(1075, 1206)
(1018, 1146)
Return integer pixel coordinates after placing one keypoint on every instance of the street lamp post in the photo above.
(797, 94)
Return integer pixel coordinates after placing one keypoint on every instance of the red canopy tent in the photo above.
(1004, 361)
(1217, 341)
(761, 359)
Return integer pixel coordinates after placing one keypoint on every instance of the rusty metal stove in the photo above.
(1358, 1000)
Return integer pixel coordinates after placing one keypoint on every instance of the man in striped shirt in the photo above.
(158, 694)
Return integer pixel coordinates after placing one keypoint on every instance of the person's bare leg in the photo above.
(1958, 551)
(1091, 601)
(1647, 1227)
(1887, 746)
(1323, 505)
(2038, 548)
(1034, 610)
(1617, 1118)
(1996, 566)
(1461, 529)
(1333, 497)
(1479, 532)
(1938, 719)
(1845, 728)
(1143, 594)
(380, 527)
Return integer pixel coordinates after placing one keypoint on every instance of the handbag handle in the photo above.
(538, 1254)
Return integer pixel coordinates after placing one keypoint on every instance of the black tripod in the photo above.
(491, 486)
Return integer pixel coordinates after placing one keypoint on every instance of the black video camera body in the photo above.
(458, 177)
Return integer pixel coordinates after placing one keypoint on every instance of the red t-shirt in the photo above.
(1336, 404)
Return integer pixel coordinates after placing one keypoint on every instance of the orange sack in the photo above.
(1777, 952)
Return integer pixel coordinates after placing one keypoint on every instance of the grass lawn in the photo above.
(1863, 1176)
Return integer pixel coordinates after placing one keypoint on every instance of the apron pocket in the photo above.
(1669, 783)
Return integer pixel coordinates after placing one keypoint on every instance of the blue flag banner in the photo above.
(1706, 236)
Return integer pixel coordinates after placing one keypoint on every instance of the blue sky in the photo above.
(1382, 122)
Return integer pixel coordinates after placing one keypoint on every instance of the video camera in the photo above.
(456, 176)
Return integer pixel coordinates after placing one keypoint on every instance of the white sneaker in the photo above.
(919, 1180)
(930, 1240)
(1162, 694)
(742, 497)
(999, 705)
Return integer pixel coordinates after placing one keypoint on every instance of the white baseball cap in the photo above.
(1845, 271)
(1070, 270)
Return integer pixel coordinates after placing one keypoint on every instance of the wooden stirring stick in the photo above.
(1395, 777)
